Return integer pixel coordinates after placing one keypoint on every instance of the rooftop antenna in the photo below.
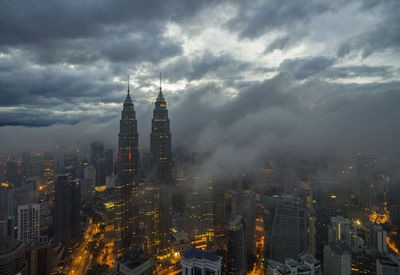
(128, 83)
(160, 81)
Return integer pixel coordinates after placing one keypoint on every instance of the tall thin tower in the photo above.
(161, 172)
(126, 215)
(160, 142)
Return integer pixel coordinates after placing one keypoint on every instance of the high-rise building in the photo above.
(200, 215)
(160, 142)
(151, 215)
(38, 258)
(67, 209)
(7, 212)
(71, 163)
(161, 170)
(236, 253)
(29, 223)
(28, 192)
(340, 229)
(49, 168)
(337, 259)
(96, 152)
(243, 204)
(385, 266)
(88, 182)
(378, 238)
(101, 172)
(12, 256)
(126, 214)
(13, 173)
(289, 232)
(197, 261)
(109, 158)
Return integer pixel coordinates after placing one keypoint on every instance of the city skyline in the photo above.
(308, 71)
(269, 144)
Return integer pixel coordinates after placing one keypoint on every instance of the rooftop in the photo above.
(133, 257)
(9, 245)
(194, 252)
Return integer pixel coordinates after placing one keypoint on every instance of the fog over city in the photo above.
(244, 137)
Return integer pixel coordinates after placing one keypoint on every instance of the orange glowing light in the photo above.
(392, 245)
(379, 218)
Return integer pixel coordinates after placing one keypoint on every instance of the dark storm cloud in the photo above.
(255, 18)
(384, 72)
(62, 62)
(49, 86)
(302, 68)
(27, 22)
(281, 115)
(384, 36)
(102, 39)
(83, 31)
(310, 118)
(279, 43)
(206, 66)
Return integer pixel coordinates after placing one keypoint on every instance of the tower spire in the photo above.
(128, 83)
(160, 82)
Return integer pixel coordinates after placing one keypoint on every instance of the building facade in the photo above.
(126, 214)
(29, 223)
(337, 259)
(236, 243)
(199, 262)
(161, 173)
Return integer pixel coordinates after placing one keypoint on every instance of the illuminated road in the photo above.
(392, 245)
(257, 267)
(81, 257)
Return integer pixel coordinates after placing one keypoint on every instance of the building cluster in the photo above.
(160, 211)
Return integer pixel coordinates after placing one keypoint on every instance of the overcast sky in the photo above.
(239, 77)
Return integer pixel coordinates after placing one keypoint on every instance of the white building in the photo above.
(337, 259)
(386, 267)
(378, 238)
(29, 223)
(199, 262)
(306, 264)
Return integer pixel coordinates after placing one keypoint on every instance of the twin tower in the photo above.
(126, 214)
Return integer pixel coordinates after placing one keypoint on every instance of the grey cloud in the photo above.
(384, 36)
(29, 22)
(384, 72)
(22, 84)
(312, 118)
(255, 18)
(79, 32)
(279, 44)
(205, 66)
(302, 68)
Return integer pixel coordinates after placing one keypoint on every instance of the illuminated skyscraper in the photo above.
(126, 187)
(29, 223)
(160, 142)
(289, 232)
(161, 171)
(236, 259)
(67, 209)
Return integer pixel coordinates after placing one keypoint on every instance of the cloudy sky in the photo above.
(239, 77)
